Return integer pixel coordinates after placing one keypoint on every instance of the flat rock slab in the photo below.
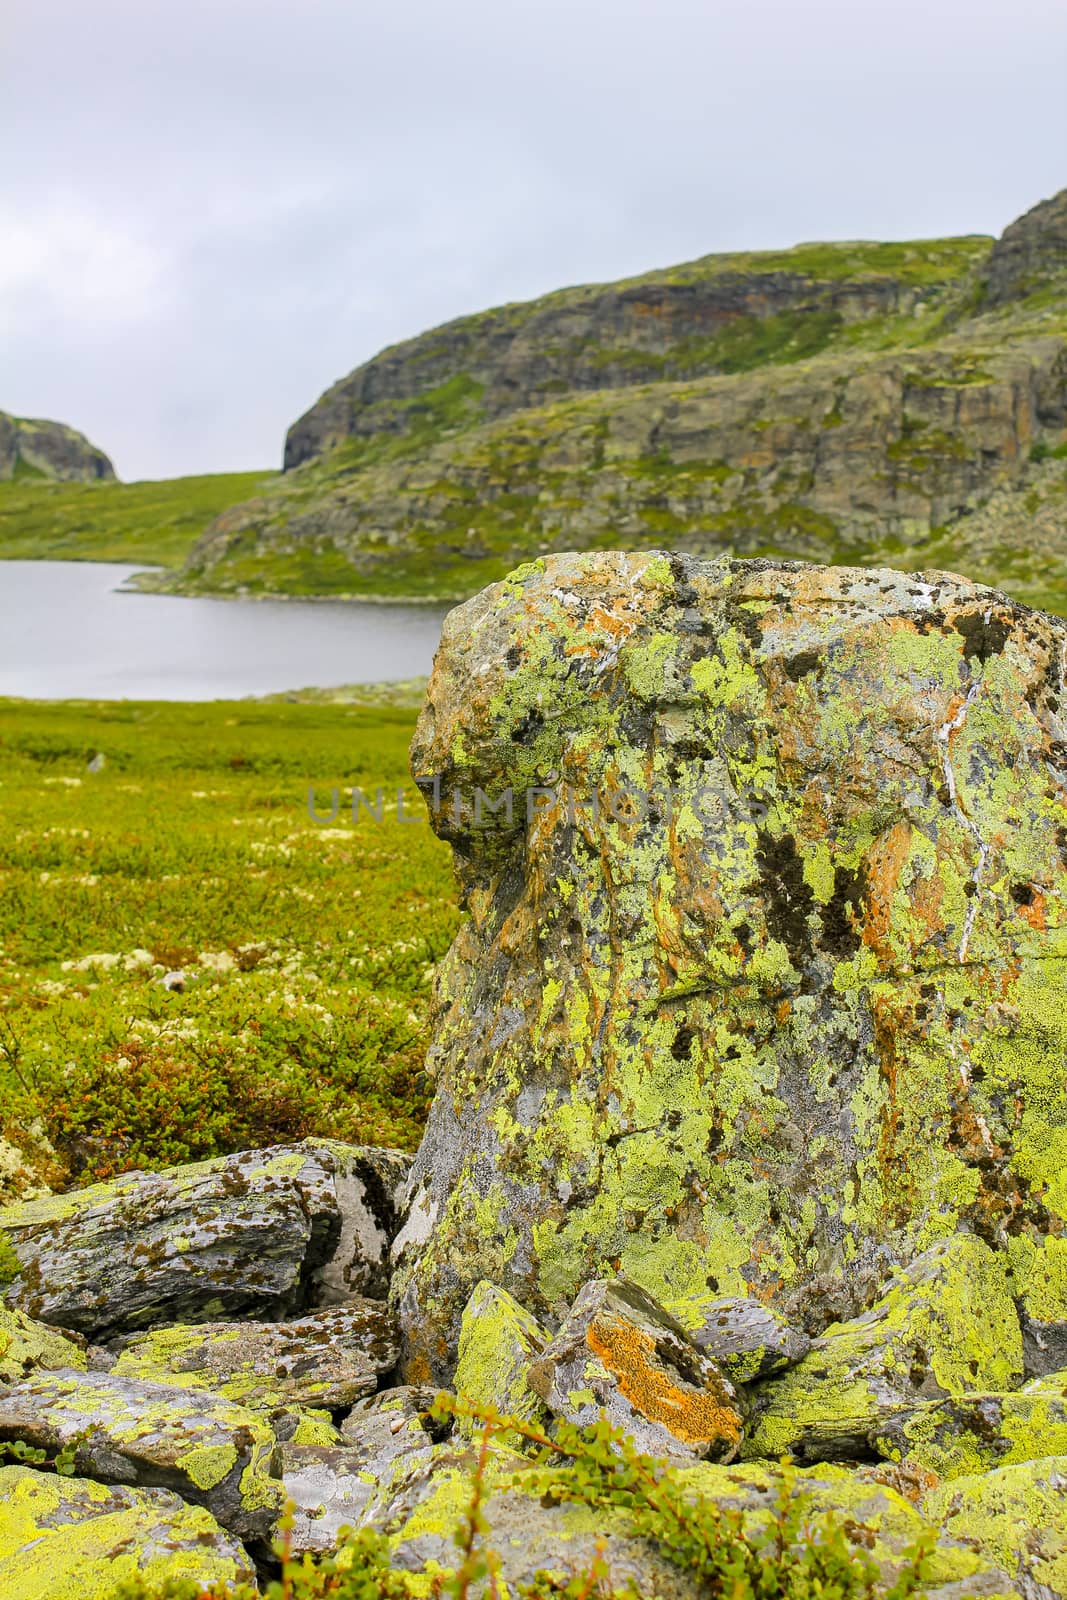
(210, 1451)
(747, 1339)
(764, 977)
(73, 1539)
(327, 1359)
(27, 1346)
(621, 1354)
(947, 1326)
(265, 1230)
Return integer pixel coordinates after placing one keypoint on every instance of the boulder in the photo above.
(747, 1339)
(977, 1433)
(946, 1326)
(210, 1451)
(498, 1340)
(1015, 1517)
(763, 989)
(27, 1346)
(326, 1359)
(621, 1355)
(53, 450)
(265, 1230)
(72, 1539)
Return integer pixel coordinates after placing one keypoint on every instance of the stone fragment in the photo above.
(979, 1432)
(498, 1339)
(73, 1539)
(1015, 1517)
(265, 1230)
(747, 1339)
(946, 1326)
(404, 1408)
(27, 1346)
(210, 1451)
(326, 1359)
(793, 1004)
(620, 1354)
(327, 1488)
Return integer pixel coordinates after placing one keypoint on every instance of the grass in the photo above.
(307, 950)
(155, 522)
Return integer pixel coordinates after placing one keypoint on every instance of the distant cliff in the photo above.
(32, 448)
(902, 403)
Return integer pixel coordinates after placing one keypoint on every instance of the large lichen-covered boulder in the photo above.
(976, 1433)
(789, 1002)
(73, 1539)
(210, 1451)
(327, 1359)
(946, 1326)
(264, 1230)
(1015, 1517)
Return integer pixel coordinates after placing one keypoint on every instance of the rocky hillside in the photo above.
(903, 403)
(30, 448)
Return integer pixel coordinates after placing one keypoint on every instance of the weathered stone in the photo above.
(27, 1346)
(265, 1230)
(1042, 1308)
(959, 1438)
(1015, 1517)
(1030, 254)
(620, 1354)
(406, 1408)
(747, 1339)
(49, 450)
(210, 1451)
(795, 1017)
(946, 1326)
(72, 1539)
(498, 1339)
(328, 1359)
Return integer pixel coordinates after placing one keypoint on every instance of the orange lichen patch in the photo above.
(695, 1416)
(885, 863)
(1035, 913)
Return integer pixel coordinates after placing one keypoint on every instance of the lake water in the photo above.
(67, 630)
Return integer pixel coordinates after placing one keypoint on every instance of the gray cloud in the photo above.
(213, 210)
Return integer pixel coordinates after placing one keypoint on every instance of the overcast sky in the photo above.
(210, 211)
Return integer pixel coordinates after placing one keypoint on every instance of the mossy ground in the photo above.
(307, 949)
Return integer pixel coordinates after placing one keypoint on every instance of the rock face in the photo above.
(49, 450)
(786, 1005)
(1030, 253)
(265, 1230)
(72, 1539)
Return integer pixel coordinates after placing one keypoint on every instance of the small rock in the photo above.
(498, 1339)
(747, 1339)
(174, 981)
(1016, 1517)
(329, 1358)
(621, 1353)
(27, 1346)
(406, 1407)
(67, 1537)
(210, 1451)
(98, 762)
(265, 1230)
(946, 1326)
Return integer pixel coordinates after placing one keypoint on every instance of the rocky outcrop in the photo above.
(762, 987)
(1031, 254)
(266, 1230)
(31, 448)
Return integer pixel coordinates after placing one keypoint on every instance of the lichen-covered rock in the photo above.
(403, 1409)
(271, 1230)
(946, 1326)
(326, 1489)
(210, 1451)
(49, 450)
(498, 1339)
(747, 1339)
(1015, 1517)
(26, 1346)
(1042, 1308)
(958, 1438)
(327, 1359)
(789, 1003)
(72, 1539)
(620, 1354)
